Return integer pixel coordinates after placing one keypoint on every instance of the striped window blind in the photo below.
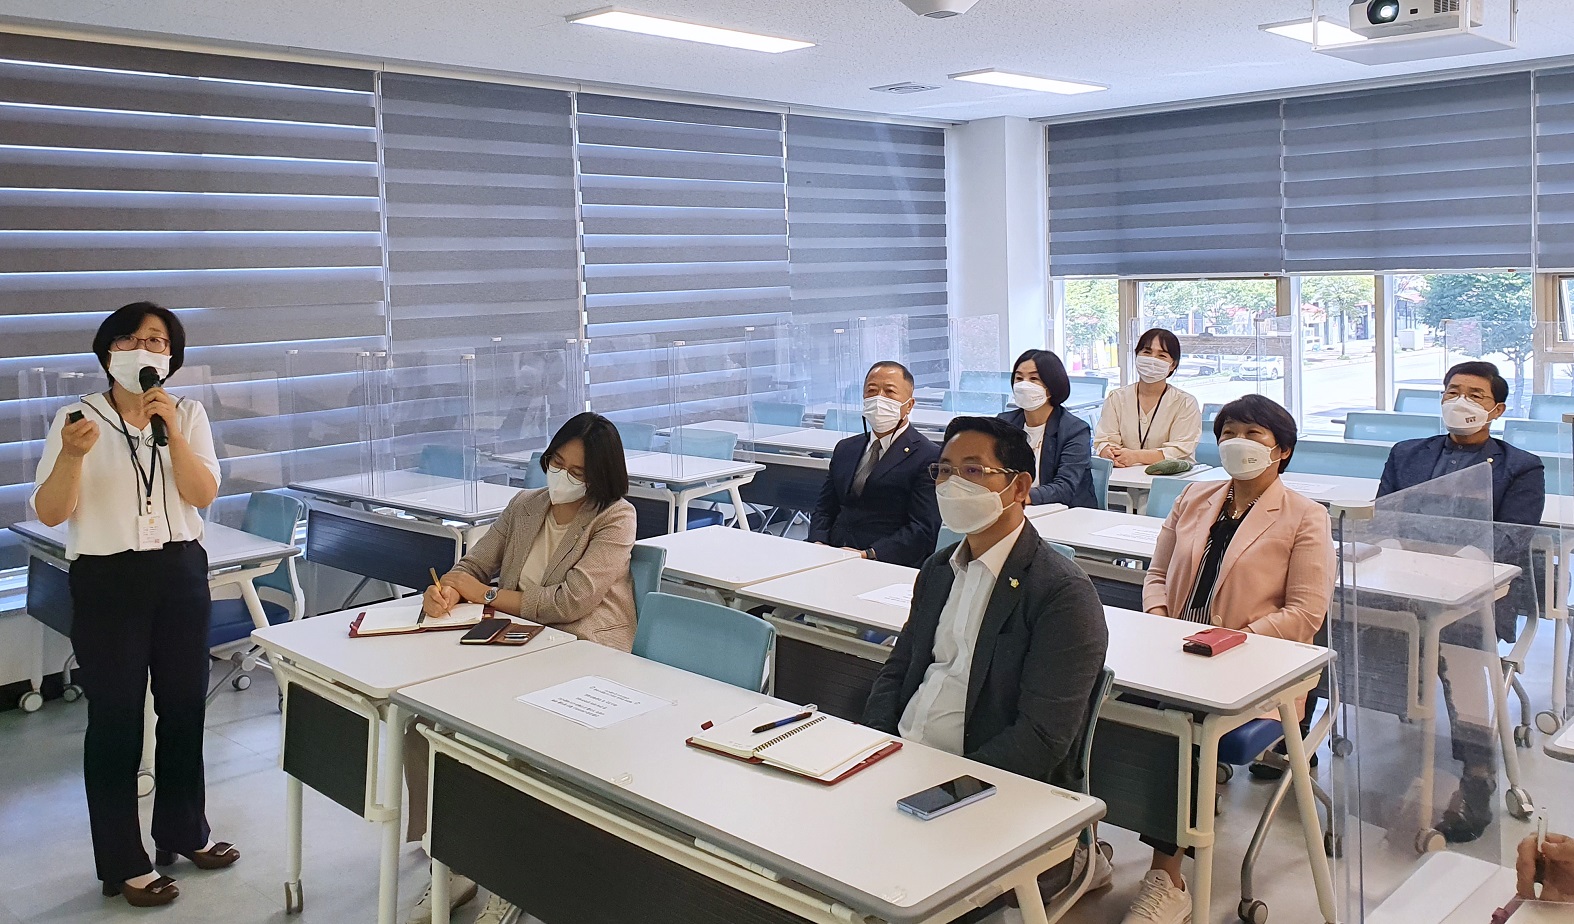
(866, 216)
(685, 239)
(1555, 169)
(243, 194)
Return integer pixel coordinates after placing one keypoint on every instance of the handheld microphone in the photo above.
(148, 378)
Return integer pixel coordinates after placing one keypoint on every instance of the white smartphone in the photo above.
(947, 797)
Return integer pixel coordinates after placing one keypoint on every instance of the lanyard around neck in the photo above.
(1142, 436)
(145, 476)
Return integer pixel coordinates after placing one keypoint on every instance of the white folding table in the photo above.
(472, 503)
(726, 560)
(724, 839)
(1104, 540)
(338, 714)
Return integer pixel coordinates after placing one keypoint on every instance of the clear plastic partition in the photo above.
(979, 364)
(710, 410)
(825, 373)
(1413, 626)
(523, 395)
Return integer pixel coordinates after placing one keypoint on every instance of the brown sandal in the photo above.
(160, 891)
(218, 856)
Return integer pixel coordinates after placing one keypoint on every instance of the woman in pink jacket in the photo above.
(1247, 554)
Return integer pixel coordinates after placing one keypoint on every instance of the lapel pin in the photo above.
(1015, 583)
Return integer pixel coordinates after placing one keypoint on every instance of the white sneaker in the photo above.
(1054, 885)
(497, 911)
(461, 891)
(1159, 902)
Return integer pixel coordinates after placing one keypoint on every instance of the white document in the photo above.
(1566, 740)
(594, 702)
(1309, 488)
(1144, 534)
(891, 595)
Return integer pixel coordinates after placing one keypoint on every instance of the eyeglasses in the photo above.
(127, 343)
(940, 471)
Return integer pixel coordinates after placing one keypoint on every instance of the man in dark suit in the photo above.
(1473, 396)
(878, 498)
(1005, 639)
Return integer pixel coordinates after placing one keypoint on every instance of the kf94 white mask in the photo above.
(1029, 396)
(1245, 459)
(966, 507)
(882, 414)
(562, 487)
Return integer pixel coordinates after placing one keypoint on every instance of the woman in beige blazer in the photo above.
(559, 556)
(1247, 554)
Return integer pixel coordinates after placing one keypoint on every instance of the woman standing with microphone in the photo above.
(128, 471)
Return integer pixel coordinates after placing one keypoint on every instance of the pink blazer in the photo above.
(1276, 578)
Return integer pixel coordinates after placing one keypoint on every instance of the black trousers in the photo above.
(139, 615)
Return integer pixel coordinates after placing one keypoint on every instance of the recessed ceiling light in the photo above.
(1328, 32)
(690, 32)
(1001, 78)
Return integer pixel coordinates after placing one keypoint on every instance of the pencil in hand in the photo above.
(436, 582)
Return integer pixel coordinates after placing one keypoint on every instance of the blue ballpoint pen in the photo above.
(809, 710)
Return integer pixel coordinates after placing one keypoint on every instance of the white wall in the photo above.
(998, 244)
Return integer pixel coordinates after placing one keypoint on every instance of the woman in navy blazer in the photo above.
(1061, 441)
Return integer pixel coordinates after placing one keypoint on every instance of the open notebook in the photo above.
(822, 748)
(400, 618)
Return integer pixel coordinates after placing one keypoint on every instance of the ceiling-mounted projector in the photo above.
(1381, 18)
(939, 9)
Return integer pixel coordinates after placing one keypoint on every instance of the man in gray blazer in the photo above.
(1006, 638)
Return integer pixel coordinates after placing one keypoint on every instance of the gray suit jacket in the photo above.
(587, 589)
(1040, 649)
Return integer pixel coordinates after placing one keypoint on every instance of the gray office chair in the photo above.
(1073, 891)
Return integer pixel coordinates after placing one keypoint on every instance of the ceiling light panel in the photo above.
(624, 21)
(1328, 32)
(999, 78)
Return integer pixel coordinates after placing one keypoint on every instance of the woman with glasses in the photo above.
(1062, 442)
(558, 555)
(129, 471)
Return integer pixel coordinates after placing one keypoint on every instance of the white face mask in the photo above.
(1244, 459)
(882, 414)
(1152, 369)
(125, 367)
(1029, 396)
(966, 507)
(562, 487)
(1463, 416)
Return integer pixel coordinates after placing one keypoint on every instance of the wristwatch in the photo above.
(491, 594)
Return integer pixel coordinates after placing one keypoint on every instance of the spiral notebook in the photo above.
(822, 748)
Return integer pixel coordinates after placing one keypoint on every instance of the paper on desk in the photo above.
(594, 702)
(1307, 487)
(1566, 740)
(891, 595)
(1148, 534)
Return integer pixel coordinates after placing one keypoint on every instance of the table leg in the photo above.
(737, 505)
(390, 800)
(440, 897)
(1430, 640)
(1202, 837)
(292, 844)
(1306, 801)
(1560, 667)
(681, 511)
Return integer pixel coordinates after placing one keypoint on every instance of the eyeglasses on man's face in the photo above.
(942, 471)
(151, 344)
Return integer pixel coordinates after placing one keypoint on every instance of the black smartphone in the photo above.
(937, 800)
(484, 631)
(73, 417)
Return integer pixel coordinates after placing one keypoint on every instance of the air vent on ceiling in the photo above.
(905, 88)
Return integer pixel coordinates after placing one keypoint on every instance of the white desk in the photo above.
(1559, 511)
(743, 429)
(929, 419)
(664, 796)
(342, 709)
(1561, 745)
(727, 560)
(1452, 888)
(833, 592)
(1114, 558)
(433, 496)
(808, 439)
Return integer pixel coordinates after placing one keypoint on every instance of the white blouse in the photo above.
(111, 495)
(1174, 428)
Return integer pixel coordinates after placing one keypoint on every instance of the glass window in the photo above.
(1441, 319)
(1338, 337)
(1090, 315)
(1232, 342)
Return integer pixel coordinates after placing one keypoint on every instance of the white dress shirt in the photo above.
(937, 713)
(1174, 427)
(111, 494)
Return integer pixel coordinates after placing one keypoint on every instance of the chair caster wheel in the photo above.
(1333, 845)
(71, 693)
(1252, 912)
(145, 783)
(1547, 723)
(31, 701)
(1430, 841)
(293, 901)
(1225, 773)
(241, 682)
(1519, 804)
(1522, 736)
(1342, 746)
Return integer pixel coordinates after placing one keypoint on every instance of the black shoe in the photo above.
(1469, 812)
(1265, 770)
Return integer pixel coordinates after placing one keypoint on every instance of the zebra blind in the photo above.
(866, 215)
(1555, 169)
(685, 239)
(1189, 193)
(1424, 177)
(243, 194)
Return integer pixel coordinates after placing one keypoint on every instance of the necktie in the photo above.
(871, 458)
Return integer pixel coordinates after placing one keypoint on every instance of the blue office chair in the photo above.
(1208, 447)
(1550, 407)
(1087, 391)
(1210, 412)
(1356, 460)
(1390, 426)
(1418, 401)
(707, 444)
(636, 436)
(445, 461)
(1074, 891)
(705, 638)
(1536, 435)
(1102, 469)
(1065, 550)
(778, 413)
(947, 538)
(973, 402)
(646, 563)
(844, 420)
(270, 516)
(1165, 492)
(998, 383)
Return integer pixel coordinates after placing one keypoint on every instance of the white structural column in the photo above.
(996, 172)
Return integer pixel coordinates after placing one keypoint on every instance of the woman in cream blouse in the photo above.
(1150, 420)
